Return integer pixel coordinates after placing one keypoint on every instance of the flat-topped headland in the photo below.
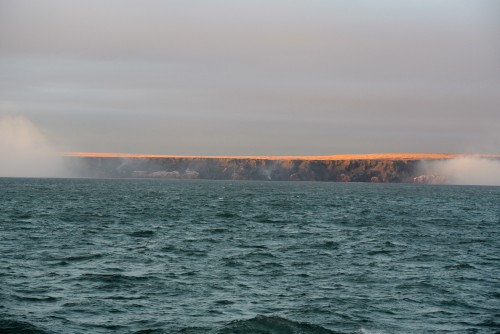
(383, 167)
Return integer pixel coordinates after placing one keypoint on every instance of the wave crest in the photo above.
(272, 325)
(8, 326)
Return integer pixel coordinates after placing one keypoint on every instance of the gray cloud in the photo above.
(25, 151)
(255, 77)
(465, 171)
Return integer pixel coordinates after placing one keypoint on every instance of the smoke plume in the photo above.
(25, 151)
(465, 171)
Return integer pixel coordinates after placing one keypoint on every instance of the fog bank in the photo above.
(26, 152)
(465, 171)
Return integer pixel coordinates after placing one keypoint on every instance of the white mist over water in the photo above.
(465, 171)
(25, 151)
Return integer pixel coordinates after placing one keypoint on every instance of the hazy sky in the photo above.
(254, 77)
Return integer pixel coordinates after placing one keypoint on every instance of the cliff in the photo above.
(387, 168)
(245, 169)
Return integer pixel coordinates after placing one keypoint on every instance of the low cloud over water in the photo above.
(25, 150)
(465, 171)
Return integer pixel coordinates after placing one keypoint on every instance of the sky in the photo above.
(254, 77)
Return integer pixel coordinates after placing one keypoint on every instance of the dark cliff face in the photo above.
(246, 169)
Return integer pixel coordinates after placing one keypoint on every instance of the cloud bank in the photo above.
(25, 151)
(254, 77)
(465, 171)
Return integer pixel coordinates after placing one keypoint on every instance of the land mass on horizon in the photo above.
(380, 167)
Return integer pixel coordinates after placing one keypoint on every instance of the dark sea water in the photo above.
(149, 256)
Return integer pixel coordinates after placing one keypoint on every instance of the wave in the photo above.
(462, 265)
(113, 280)
(82, 257)
(46, 299)
(8, 326)
(271, 325)
(227, 214)
(142, 234)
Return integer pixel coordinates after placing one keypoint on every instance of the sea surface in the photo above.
(154, 256)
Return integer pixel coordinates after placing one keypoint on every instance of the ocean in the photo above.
(195, 256)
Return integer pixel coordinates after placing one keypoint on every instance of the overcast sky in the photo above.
(251, 77)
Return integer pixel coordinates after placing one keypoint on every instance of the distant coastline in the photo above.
(375, 168)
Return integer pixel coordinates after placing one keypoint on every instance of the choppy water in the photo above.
(149, 256)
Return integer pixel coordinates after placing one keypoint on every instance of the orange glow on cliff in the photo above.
(371, 156)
